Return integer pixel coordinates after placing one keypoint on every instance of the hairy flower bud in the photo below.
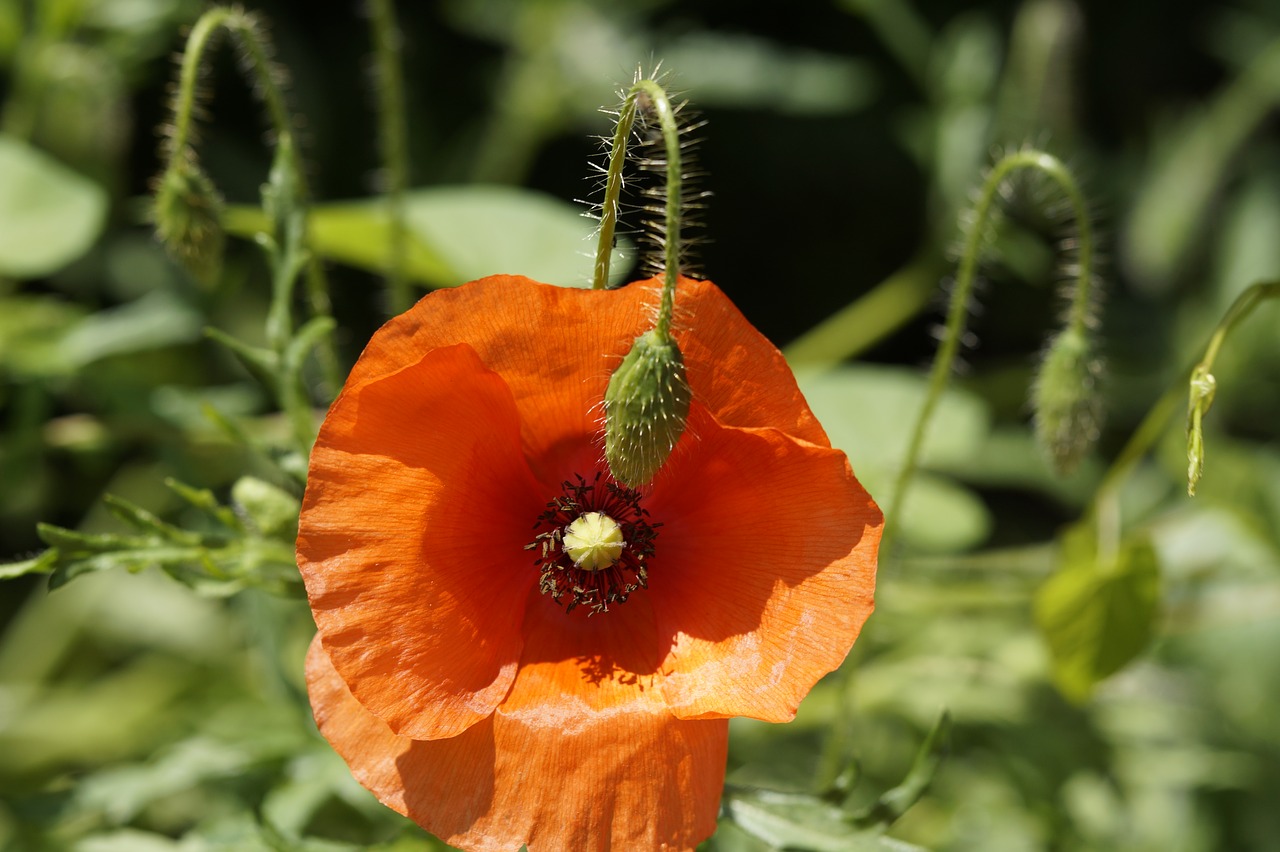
(1068, 412)
(645, 408)
(187, 216)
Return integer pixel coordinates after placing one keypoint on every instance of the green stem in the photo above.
(1202, 382)
(1240, 308)
(1153, 424)
(203, 35)
(944, 361)
(393, 137)
(651, 97)
(1141, 441)
(288, 245)
(613, 192)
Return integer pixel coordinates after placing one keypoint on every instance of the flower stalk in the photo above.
(1063, 396)
(647, 401)
(187, 207)
(1203, 385)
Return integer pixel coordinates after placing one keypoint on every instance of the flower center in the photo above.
(593, 541)
(593, 544)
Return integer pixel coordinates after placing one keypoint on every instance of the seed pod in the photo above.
(645, 407)
(1068, 412)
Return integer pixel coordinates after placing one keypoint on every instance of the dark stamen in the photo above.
(598, 589)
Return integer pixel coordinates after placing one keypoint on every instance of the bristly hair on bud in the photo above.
(647, 401)
(646, 406)
(187, 205)
(655, 133)
(188, 218)
(1065, 396)
(652, 160)
(1065, 399)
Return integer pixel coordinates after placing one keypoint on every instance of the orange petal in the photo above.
(627, 777)
(417, 509)
(764, 571)
(556, 348)
(734, 371)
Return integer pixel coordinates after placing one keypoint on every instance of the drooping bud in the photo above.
(1203, 388)
(188, 219)
(1065, 399)
(646, 406)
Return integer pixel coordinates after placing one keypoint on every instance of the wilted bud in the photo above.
(1203, 387)
(188, 219)
(645, 407)
(1068, 412)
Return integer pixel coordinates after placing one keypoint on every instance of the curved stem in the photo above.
(263, 77)
(1153, 424)
(944, 361)
(675, 193)
(1202, 383)
(203, 35)
(648, 95)
(1240, 308)
(613, 191)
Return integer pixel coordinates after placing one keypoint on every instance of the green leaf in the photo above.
(203, 499)
(486, 230)
(262, 363)
(939, 515)
(41, 564)
(127, 840)
(32, 329)
(798, 821)
(733, 70)
(155, 321)
(357, 233)
(1097, 618)
(893, 803)
(120, 793)
(49, 215)
(147, 522)
(70, 541)
(456, 234)
(868, 412)
(273, 511)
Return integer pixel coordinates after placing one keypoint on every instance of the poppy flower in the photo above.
(504, 672)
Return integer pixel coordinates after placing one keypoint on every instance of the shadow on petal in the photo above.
(765, 572)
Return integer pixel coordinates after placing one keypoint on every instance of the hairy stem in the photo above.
(944, 361)
(651, 97)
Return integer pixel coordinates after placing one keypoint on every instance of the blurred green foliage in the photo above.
(1107, 649)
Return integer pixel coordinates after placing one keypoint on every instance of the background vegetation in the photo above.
(149, 709)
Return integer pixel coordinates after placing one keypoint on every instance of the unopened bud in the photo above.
(645, 408)
(1065, 400)
(188, 219)
(1203, 387)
